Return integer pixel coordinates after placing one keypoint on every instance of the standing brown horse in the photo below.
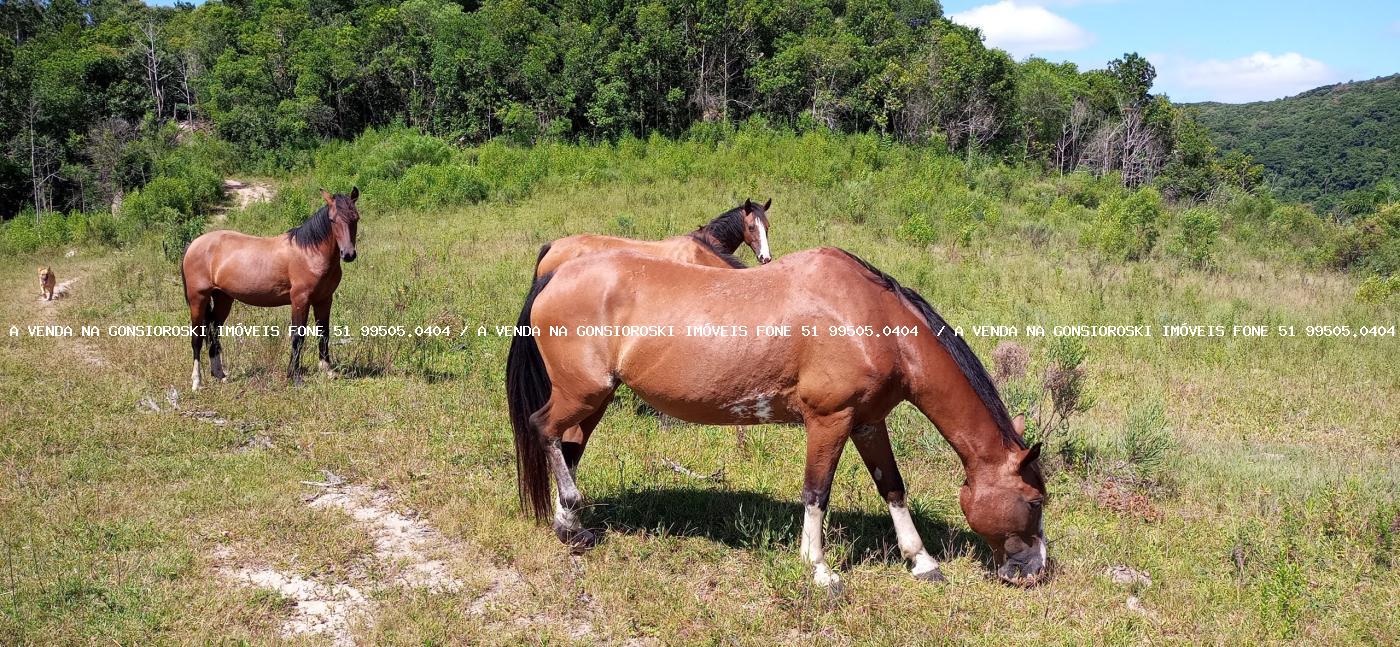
(712, 245)
(858, 344)
(300, 268)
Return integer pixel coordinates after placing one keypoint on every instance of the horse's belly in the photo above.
(682, 378)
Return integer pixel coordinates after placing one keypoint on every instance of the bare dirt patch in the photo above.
(410, 550)
(246, 193)
(323, 608)
(240, 196)
(407, 544)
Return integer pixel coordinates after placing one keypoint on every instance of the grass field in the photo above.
(1268, 512)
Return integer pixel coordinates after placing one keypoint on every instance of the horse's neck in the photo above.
(940, 390)
(327, 250)
(726, 246)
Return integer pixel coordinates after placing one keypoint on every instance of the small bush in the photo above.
(1199, 236)
(1009, 360)
(1127, 226)
(1378, 289)
(1064, 381)
(918, 229)
(1371, 244)
(1147, 440)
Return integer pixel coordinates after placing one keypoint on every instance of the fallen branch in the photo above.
(717, 476)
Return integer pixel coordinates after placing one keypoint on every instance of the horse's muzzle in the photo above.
(764, 260)
(348, 257)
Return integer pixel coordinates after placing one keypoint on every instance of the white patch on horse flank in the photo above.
(763, 408)
(758, 407)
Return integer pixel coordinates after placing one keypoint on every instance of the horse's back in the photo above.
(682, 249)
(248, 268)
(779, 333)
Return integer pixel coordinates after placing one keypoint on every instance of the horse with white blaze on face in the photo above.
(841, 387)
(300, 268)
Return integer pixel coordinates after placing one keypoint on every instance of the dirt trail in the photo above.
(241, 195)
(79, 346)
(413, 553)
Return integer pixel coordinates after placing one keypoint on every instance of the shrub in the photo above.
(178, 235)
(1009, 360)
(1127, 226)
(1200, 233)
(1371, 244)
(1147, 440)
(1064, 381)
(1378, 289)
(918, 229)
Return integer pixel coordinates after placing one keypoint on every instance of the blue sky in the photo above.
(1221, 50)
(1225, 50)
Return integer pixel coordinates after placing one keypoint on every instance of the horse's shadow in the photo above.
(750, 520)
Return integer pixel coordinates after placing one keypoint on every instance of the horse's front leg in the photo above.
(299, 310)
(826, 437)
(873, 442)
(323, 328)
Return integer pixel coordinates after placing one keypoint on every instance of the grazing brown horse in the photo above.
(300, 268)
(712, 245)
(841, 382)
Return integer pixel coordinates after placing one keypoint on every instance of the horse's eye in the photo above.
(1035, 504)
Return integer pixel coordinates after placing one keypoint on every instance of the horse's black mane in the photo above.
(315, 230)
(725, 231)
(956, 346)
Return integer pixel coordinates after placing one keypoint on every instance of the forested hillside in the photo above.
(83, 81)
(119, 120)
(1337, 146)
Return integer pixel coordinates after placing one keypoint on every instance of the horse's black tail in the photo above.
(527, 391)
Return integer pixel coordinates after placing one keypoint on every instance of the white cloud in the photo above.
(1258, 77)
(1024, 29)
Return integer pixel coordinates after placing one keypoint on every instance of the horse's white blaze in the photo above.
(763, 253)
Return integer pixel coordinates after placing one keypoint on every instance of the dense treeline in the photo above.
(1333, 146)
(87, 83)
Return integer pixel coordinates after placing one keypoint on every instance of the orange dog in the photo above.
(46, 283)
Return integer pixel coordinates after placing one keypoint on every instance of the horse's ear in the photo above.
(325, 195)
(1019, 424)
(767, 204)
(748, 205)
(354, 194)
(1031, 454)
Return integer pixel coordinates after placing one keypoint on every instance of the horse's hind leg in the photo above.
(223, 303)
(553, 421)
(873, 443)
(199, 318)
(576, 438)
(826, 437)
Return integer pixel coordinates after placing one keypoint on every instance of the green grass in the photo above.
(1276, 470)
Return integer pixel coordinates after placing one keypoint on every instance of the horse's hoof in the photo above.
(929, 575)
(578, 540)
(224, 380)
(829, 580)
